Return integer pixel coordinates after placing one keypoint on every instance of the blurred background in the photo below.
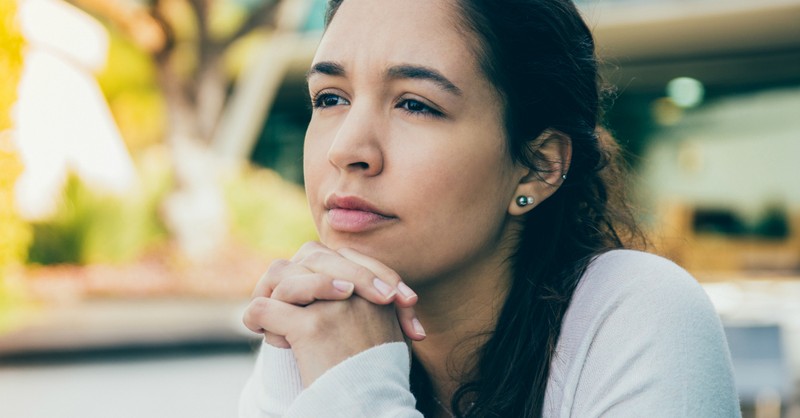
(150, 170)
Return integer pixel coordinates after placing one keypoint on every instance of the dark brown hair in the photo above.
(540, 56)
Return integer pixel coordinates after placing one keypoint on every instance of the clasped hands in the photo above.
(328, 305)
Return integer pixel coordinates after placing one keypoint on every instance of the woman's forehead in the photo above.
(373, 35)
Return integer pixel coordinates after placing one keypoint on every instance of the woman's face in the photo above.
(405, 155)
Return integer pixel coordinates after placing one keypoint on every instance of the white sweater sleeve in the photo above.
(371, 384)
(273, 386)
(641, 339)
(374, 383)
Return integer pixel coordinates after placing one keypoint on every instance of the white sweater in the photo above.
(640, 339)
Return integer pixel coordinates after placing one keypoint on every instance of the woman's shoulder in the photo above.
(619, 276)
(639, 299)
(630, 290)
(625, 262)
(641, 328)
(643, 302)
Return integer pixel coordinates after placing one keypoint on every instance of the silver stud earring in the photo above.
(523, 201)
(564, 176)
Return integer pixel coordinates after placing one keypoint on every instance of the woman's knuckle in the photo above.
(363, 273)
(307, 246)
(278, 265)
(275, 273)
(280, 293)
(310, 247)
(314, 258)
(391, 276)
(256, 311)
(320, 280)
(259, 306)
(344, 251)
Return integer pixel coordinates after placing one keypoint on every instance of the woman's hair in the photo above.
(539, 54)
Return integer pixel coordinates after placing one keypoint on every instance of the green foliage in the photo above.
(269, 213)
(127, 68)
(129, 83)
(94, 228)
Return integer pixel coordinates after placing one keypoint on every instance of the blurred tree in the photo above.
(188, 41)
(14, 233)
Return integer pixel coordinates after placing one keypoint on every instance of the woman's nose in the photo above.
(356, 147)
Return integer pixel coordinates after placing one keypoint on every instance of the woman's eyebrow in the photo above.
(418, 72)
(327, 68)
(423, 73)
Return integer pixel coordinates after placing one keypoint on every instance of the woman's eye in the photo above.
(418, 108)
(328, 100)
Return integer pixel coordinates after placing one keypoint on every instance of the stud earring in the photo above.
(523, 201)
(564, 176)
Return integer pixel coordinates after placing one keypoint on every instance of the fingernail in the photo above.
(406, 291)
(343, 286)
(385, 289)
(418, 327)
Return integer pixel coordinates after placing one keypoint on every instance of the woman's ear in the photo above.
(550, 154)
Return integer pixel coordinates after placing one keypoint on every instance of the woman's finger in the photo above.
(410, 324)
(276, 340)
(256, 315)
(373, 280)
(252, 313)
(277, 272)
(309, 248)
(405, 296)
(367, 283)
(306, 288)
(270, 316)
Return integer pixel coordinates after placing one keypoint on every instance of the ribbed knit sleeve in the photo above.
(273, 386)
(371, 384)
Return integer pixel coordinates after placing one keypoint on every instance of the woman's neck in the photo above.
(458, 314)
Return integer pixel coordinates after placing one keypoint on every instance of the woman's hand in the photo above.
(319, 273)
(325, 333)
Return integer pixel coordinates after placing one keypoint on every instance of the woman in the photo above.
(453, 150)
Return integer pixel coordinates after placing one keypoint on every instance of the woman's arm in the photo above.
(350, 357)
(338, 350)
(371, 384)
(273, 386)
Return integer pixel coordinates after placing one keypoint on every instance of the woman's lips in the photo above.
(354, 214)
(354, 220)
